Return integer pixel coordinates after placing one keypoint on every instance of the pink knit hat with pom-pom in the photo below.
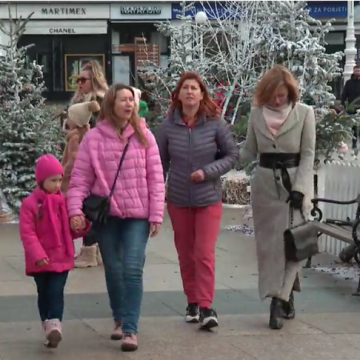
(46, 166)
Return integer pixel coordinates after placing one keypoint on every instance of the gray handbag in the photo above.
(301, 241)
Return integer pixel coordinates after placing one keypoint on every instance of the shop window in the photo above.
(161, 40)
(58, 64)
(42, 60)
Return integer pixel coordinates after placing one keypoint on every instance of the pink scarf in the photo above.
(275, 117)
(52, 209)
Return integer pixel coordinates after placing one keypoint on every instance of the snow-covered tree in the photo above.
(26, 127)
(241, 42)
(293, 38)
(221, 51)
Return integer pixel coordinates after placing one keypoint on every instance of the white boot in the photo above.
(98, 256)
(87, 257)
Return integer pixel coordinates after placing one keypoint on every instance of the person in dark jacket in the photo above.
(350, 93)
(197, 147)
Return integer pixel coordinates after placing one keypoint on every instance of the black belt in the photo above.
(281, 161)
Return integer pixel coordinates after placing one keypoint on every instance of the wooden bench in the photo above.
(347, 230)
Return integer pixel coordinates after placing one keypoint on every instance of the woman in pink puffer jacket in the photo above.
(136, 207)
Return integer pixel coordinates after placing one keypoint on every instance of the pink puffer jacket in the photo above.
(140, 188)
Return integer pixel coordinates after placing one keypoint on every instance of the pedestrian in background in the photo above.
(350, 93)
(197, 147)
(143, 109)
(79, 116)
(281, 134)
(136, 205)
(48, 244)
(92, 86)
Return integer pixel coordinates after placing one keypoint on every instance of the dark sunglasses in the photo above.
(81, 80)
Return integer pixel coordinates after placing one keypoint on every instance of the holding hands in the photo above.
(78, 223)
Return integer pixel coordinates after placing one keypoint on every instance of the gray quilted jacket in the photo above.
(208, 146)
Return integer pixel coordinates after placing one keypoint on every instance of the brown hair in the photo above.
(107, 111)
(274, 78)
(207, 106)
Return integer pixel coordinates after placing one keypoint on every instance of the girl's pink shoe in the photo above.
(129, 342)
(53, 333)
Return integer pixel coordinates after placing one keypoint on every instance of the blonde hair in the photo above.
(277, 76)
(99, 85)
(107, 111)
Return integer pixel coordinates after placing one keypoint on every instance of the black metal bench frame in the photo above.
(334, 227)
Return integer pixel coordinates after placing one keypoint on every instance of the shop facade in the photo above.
(326, 10)
(135, 39)
(65, 36)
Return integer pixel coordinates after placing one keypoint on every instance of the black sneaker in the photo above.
(208, 318)
(192, 313)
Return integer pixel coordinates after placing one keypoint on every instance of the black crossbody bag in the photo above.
(96, 208)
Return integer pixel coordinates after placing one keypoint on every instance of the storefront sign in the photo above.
(62, 31)
(70, 27)
(221, 10)
(63, 11)
(140, 11)
(213, 10)
(58, 11)
(327, 9)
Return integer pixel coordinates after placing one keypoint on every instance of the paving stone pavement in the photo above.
(327, 325)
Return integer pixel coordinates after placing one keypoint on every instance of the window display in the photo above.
(73, 65)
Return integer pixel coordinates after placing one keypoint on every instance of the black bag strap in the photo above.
(119, 167)
(292, 216)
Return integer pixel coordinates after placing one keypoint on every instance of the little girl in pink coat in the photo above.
(48, 244)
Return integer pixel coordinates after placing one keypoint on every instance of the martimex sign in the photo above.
(63, 11)
(50, 11)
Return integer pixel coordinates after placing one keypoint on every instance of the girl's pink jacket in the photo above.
(38, 240)
(140, 189)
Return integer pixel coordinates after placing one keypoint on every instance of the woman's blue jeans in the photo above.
(122, 243)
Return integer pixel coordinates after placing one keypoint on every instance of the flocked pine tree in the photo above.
(291, 37)
(240, 43)
(26, 127)
(221, 51)
(246, 39)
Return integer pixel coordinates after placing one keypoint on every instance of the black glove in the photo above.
(296, 199)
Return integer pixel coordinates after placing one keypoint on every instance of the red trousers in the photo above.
(195, 234)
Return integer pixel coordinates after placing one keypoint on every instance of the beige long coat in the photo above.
(271, 213)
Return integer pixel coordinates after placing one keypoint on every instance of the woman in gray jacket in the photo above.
(281, 135)
(197, 147)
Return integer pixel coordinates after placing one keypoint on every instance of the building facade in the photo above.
(64, 37)
(135, 39)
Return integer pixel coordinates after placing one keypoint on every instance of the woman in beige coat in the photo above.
(281, 136)
(92, 86)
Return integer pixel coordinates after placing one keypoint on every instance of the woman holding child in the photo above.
(136, 206)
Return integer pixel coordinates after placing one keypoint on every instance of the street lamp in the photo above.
(350, 41)
(201, 19)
